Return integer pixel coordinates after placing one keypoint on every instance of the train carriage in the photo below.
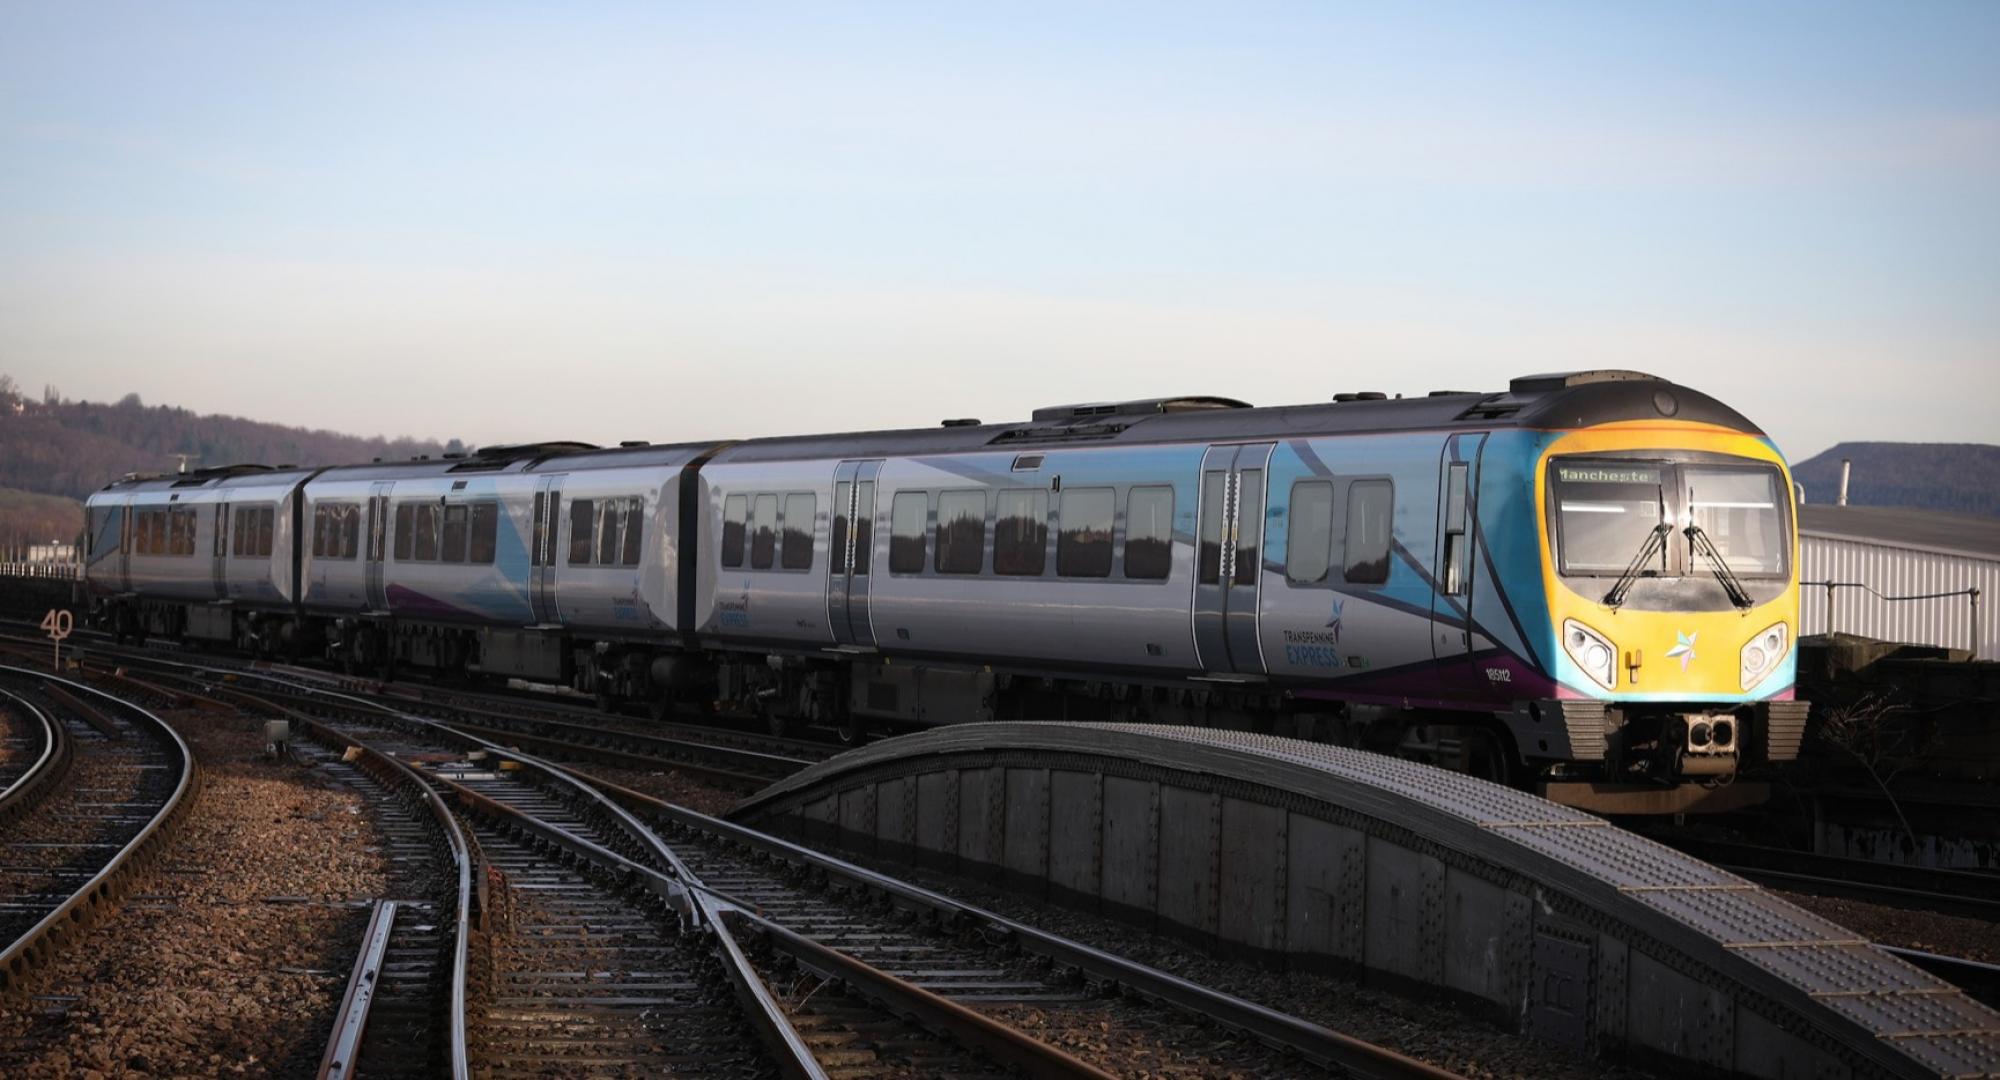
(1588, 580)
(205, 555)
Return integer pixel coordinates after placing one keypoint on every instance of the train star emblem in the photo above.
(1334, 622)
(1683, 648)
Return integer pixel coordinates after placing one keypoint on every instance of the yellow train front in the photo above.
(1665, 603)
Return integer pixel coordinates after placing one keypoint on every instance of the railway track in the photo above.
(825, 961)
(403, 1013)
(84, 822)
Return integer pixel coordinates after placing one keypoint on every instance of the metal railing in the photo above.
(1971, 594)
(53, 571)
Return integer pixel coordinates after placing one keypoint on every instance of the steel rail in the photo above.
(102, 891)
(970, 1028)
(344, 1048)
(787, 1048)
(688, 896)
(48, 767)
(608, 755)
(471, 890)
(1312, 1041)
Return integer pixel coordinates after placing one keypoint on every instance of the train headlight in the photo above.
(1762, 653)
(1592, 651)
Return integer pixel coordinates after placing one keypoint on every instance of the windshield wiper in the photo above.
(1655, 541)
(1699, 540)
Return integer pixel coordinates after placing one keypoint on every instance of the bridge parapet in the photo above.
(1316, 857)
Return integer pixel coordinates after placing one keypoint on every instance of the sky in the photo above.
(507, 222)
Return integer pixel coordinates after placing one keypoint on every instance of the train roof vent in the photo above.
(1493, 407)
(1141, 407)
(630, 443)
(1563, 380)
(1361, 395)
(198, 477)
(534, 449)
(492, 458)
(1065, 433)
(960, 421)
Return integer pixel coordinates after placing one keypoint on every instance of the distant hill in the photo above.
(71, 448)
(30, 518)
(1959, 477)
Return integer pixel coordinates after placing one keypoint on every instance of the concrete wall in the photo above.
(1538, 917)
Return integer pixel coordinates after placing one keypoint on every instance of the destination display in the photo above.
(1607, 474)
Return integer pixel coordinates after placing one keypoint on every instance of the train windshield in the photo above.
(1606, 513)
(1739, 511)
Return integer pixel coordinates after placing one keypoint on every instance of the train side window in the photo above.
(350, 531)
(836, 541)
(907, 514)
(864, 526)
(1309, 537)
(236, 531)
(1208, 570)
(427, 532)
(800, 508)
(961, 531)
(582, 519)
(608, 540)
(266, 517)
(405, 530)
(1149, 532)
(453, 548)
(319, 530)
(635, 532)
(735, 513)
(763, 531)
(1084, 548)
(485, 532)
(1021, 532)
(540, 531)
(1370, 511)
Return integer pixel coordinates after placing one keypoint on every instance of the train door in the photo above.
(1229, 558)
(219, 567)
(1451, 595)
(542, 553)
(124, 577)
(378, 545)
(853, 541)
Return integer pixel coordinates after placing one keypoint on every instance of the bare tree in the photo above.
(1884, 736)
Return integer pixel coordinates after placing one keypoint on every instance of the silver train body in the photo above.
(1364, 571)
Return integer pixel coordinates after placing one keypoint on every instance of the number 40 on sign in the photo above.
(57, 624)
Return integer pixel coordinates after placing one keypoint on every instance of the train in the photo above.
(1586, 583)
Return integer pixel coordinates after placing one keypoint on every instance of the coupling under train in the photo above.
(1588, 581)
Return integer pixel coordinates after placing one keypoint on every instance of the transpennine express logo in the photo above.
(1683, 648)
(1334, 623)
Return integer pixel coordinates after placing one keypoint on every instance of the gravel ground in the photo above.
(1432, 1032)
(233, 960)
(1951, 935)
(671, 786)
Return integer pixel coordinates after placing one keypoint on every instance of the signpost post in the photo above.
(58, 624)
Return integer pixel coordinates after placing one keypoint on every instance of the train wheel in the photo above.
(776, 723)
(658, 706)
(853, 729)
(1487, 757)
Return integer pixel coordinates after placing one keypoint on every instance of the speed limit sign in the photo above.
(58, 624)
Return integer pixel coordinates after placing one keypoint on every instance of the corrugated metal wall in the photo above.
(1898, 571)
